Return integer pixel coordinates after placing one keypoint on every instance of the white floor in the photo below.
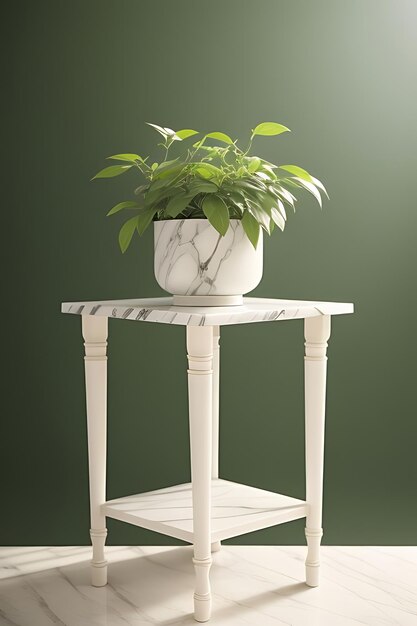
(251, 585)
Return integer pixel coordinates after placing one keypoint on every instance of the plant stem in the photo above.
(249, 146)
(200, 143)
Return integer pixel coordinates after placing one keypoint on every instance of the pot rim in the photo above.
(191, 219)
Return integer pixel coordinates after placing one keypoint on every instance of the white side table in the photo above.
(208, 509)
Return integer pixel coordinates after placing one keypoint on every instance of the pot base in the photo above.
(207, 300)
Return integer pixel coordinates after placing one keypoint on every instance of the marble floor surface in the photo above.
(251, 585)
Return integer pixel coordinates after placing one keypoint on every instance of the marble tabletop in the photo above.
(163, 311)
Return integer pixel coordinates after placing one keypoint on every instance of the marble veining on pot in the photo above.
(192, 258)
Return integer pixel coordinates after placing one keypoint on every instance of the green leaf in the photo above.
(220, 137)
(284, 193)
(152, 197)
(216, 171)
(251, 228)
(203, 186)
(269, 129)
(126, 233)
(298, 171)
(268, 169)
(113, 170)
(320, 185)
(177, 204)
(311, 188)
(217, 213)
(264, 176)
(254, 163)
(164, 166)
(204, 172)
(260, 215)
(267, 201)
(168, 177)
(172, 170)
(253, 184)
(160, 129)
(268, 165)
(199, 143)
(186, 132)
(161, 182)
(126, 157)
(282, 209)
(277, 218)
(171, 139)
(154, 166)
(238, 207)
(238, 197)
(291, 182)
(141, 189)
(129, 204)
(177, 172)
(144, 219)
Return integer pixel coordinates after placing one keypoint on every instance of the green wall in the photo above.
(81, 79)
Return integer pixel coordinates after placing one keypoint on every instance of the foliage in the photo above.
(217, 182)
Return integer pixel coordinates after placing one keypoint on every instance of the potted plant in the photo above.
(209, 206)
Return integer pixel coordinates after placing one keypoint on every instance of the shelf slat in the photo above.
(236, 509)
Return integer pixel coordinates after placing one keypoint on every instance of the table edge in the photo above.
(123, 309)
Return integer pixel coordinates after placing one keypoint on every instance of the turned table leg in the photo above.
(95, 336)
(200, 397)
(216, 545)
(317, 332)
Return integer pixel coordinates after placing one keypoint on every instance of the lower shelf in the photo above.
(236, 509)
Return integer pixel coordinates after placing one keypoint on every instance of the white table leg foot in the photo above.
(317, 333)
(99, 563)
(95, 337)
(202, 594)
(200, 396)
(313, 556)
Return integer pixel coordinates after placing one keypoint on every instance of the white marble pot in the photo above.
(200, 267)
